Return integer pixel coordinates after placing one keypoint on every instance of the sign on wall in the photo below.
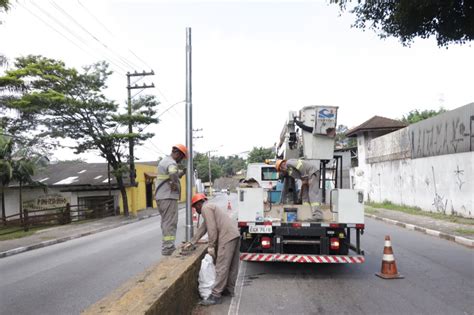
(48, 201)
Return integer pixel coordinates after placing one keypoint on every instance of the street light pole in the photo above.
(189, 137)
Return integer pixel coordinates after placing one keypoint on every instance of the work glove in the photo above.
(212, 251)
(188, 246)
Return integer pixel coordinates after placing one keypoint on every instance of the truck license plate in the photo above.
(261, 229)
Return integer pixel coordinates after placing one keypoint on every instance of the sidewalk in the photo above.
(435, 227)
(63, 233)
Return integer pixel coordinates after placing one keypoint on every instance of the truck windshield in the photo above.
(269, 173)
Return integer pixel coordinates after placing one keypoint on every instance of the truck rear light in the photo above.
(360, 226)
(267, 223)
(334, 225)
(296, 225)
(242, 224)
(334, 243)
(266, 242)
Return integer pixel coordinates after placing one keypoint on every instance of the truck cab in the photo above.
(265, 174)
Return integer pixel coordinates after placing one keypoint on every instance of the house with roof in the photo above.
(84, 184)
(428, 164)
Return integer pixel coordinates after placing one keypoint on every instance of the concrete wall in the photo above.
(428, 165)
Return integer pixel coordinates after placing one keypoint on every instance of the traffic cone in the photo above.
(389, 267)
(229, 206)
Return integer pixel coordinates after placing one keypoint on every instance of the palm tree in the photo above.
(6, 168)
(25, 165)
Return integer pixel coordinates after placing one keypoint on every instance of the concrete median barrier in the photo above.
(169, 287)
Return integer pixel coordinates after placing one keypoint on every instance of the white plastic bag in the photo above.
(207, 276)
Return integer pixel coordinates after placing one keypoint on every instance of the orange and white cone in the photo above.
(389, 266)
(229, 206)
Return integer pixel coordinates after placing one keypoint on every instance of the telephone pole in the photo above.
(141, 75)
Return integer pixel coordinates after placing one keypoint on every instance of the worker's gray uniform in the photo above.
(300, 169)
(224, 236)
(167, 201)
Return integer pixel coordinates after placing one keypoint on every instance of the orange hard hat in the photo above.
(182, 149)
(278, 164)
(198, 197)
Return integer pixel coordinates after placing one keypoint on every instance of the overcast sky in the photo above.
(253, 61)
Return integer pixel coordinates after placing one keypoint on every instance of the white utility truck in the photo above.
(284, 231)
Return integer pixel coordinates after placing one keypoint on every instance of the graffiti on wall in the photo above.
(459, 174)
(445, 134)
(439, 202)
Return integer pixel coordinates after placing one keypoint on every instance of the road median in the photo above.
(169, 287)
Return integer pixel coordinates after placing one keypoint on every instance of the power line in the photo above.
(170, 107)
(120, 58)
(66, 37)
(54, 29)
(111, 33)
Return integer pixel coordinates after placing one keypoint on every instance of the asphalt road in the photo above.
(439, 279)
(67, 277)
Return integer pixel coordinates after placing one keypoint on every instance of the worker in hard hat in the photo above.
(223, 235)
(309, 175)
(167, 193)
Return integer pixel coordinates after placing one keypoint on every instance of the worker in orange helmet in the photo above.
(225, 237)
(168, 190)
(309, 175)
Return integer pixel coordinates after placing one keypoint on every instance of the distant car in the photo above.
(224, 190)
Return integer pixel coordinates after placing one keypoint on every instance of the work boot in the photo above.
(211, 300)
(168, 251)
(226, 292)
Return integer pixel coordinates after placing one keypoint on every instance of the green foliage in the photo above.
(68, 103)
(4, 5)
(415, 115)
(220, 166)
(341, 140)
(451, 21)
(259, 155)
(201, 165)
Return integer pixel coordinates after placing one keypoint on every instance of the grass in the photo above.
(18, 233)
(417, 211)
(370, 210)
(464, 231)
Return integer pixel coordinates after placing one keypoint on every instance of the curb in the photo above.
(23, 249)
(449, 237)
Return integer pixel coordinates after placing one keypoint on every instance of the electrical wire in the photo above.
(170, 107)
(119, 57)
(111, 33)
(121, 71)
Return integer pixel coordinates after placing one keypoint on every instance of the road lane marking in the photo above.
(235, 303)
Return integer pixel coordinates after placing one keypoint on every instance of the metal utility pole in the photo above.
(130, 125)
(189, 136)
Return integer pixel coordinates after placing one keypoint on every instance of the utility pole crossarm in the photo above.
(130, 126)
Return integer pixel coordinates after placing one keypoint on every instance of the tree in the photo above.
(201, 165)
(6, 168)
(26, 164)
(415, 115)
(20, 163)
(259, 155)
(341, 140)
(451, 21)
(71, 104)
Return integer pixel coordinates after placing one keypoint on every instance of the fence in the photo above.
(56, 216)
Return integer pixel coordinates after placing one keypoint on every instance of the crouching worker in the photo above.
(223, 246)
